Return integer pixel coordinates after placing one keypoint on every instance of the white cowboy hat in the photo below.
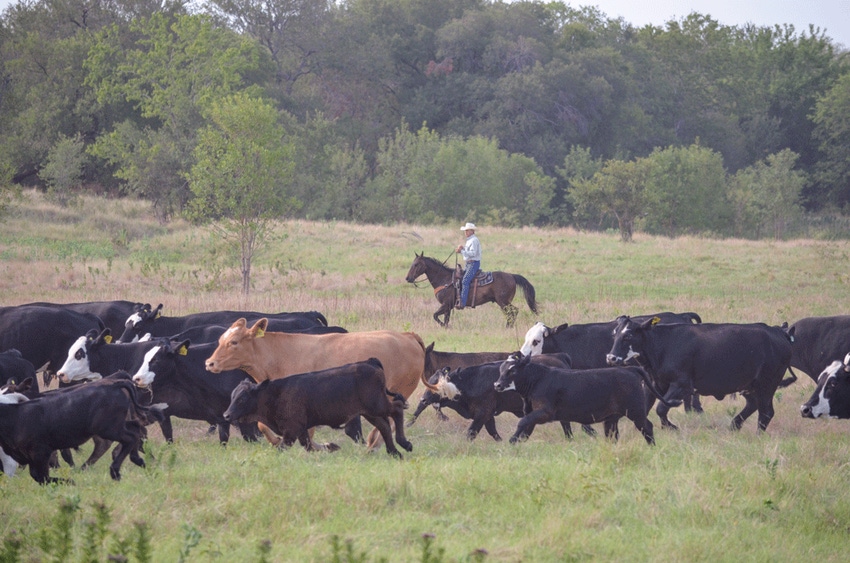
(468, 227)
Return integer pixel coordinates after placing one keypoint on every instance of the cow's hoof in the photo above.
(331, 447)
(406, 445)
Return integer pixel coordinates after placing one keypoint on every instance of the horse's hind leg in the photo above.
(511, 313)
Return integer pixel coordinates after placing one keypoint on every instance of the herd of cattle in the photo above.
(283, 374)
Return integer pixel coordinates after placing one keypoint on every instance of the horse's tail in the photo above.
(528, 291)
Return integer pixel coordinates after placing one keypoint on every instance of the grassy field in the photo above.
(704, 493)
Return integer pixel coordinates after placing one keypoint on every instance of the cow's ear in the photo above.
(183, 348)
(259, 328)
(655, 320)
(158, 311)
(429, 348)
(108, 339)
(648, 323)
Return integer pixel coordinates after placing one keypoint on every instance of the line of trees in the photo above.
(422, 110)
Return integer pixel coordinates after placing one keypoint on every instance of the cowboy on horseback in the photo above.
(471, 252)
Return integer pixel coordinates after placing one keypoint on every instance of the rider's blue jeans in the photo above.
(471, 269)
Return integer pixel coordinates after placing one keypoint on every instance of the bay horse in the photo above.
(501, 291)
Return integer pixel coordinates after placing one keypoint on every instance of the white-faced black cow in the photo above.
(710, 359)
(292, 405)
(146, 320)
(470, 392)
(585, 396)
(819, 341)
(832, 395)
(43, 334)
(175, 373)
(31, 431)
(436, 360)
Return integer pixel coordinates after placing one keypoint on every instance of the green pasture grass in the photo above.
(704, 493)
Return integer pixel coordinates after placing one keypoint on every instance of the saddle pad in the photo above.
(484, 278)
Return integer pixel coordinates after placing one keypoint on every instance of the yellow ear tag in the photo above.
(655, 321)
(158, 315)
(183, 351)
(108, 339)
(260, 333)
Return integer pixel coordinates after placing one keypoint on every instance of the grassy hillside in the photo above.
(701, 494)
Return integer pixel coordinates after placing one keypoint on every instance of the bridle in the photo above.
(417, 281)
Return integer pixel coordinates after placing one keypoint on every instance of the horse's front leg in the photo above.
(446, 312)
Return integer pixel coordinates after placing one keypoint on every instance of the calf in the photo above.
(291, 406)
(832, 394)
(174, 373)
(31, 431)
(585, 396)
(471, 393)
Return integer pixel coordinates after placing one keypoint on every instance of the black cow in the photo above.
(15, 369)
(211, 333)
(470, 392)
(819, 341)
(174, 372)
(113, 313)
(31, 431)
(585, 396)
(589, 343)
(146, 320)
(711, 359)
(43, 334)
(290, 406)
(832, 395)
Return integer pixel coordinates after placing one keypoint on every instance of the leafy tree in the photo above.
(175, 68)
(63, 169)
(241, 179)
(686, 191)
(767, 195)
(832, 130)
(618, 188)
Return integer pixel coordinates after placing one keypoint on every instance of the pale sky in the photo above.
(832, 16)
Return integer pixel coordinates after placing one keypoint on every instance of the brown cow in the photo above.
(272, 355)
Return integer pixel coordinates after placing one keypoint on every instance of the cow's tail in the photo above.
(528, 291)
(788, 380)
(651, 384)
(146, 414)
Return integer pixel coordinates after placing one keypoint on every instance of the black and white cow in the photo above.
(819, 341)
(710, 359)
(174, 372)
(31, 431)
(585, 396)
(43, 334)
(146, 320)
(832, 395)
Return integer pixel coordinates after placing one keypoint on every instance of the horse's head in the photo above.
(417, 268)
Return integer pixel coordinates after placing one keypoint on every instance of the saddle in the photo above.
(481, 278)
